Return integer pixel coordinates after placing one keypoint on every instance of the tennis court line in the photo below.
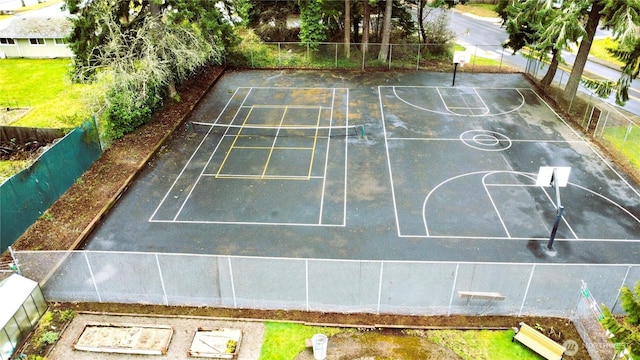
(242, 105)
(186, 166)
(197, 181)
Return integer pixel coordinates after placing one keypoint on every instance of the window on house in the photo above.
(7, 41)
(60, 41)
(36, 41)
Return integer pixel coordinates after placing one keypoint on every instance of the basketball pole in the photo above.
(455, 70)
(560, 209)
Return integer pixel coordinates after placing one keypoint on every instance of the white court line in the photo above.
(449, 113)
(555, 206)
(326, 158)
(485, 104)
(191, 158)
(495, 207)
(528, 175)
(280, 177)
(470, 109)
(195, 184)
(346, 159)
(457, 139)
(604, 160)
(213, 222)
(386, 148)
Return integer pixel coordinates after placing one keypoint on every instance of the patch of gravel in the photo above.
(183, 332)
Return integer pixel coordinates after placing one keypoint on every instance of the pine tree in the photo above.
(625, 333)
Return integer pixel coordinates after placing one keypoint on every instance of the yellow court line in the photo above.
(275, 147)
(266, 164)
(259, 177)
(224, 161)
(315, 143)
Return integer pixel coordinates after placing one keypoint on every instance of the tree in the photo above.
(366, 21)
(582, 56)
(543, 27)
(626, 333)
(347, 29)
(623, 16)
(140, 49)
(383, 54)
(312, 28)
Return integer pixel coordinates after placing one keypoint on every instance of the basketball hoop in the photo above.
(460, 58)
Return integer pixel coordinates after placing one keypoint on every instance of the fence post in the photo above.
(233, 288)
(526, 291)
(164, 290)
(279, 57)
(453, 289)
(336, 65)
(624, 280)
(15, 261)
(93, 279)
(626, 135)
(418, 57)
(306, 282)
(380, 287)
(390, 52)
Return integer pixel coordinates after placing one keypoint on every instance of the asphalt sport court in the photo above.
(440, 173)
(278, 138)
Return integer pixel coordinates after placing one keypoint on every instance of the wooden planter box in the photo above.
(124, 338)
(216, 343)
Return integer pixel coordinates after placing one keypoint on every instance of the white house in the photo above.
(36, 37)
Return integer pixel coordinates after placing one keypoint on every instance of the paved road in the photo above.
(483, 36)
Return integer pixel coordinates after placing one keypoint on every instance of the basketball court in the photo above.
(396, 166)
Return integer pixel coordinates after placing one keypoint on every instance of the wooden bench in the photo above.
(481, 295)
(536, 341)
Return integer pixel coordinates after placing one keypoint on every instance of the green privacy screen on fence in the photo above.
(28, 194)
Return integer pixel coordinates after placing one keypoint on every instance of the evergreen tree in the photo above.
(543, 27)
(623, 17)
(312, 28)
(625, 334)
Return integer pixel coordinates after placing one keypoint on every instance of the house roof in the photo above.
(38, 27)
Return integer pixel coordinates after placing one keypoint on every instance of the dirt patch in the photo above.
(357, 345)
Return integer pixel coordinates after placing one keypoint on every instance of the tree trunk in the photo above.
(383, 55)
(553, 68)
(583, 52)
(366, 19)
(347, 29)
(423, 32)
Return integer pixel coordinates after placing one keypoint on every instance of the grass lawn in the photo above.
(43, 86)
(482, 10)
(599, 50)
(284, 341)
(482, 344)
(631, 147)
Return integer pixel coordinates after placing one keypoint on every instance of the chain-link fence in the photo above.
(586, 319)
(611, 126)
(397, 287)
(278, 55)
